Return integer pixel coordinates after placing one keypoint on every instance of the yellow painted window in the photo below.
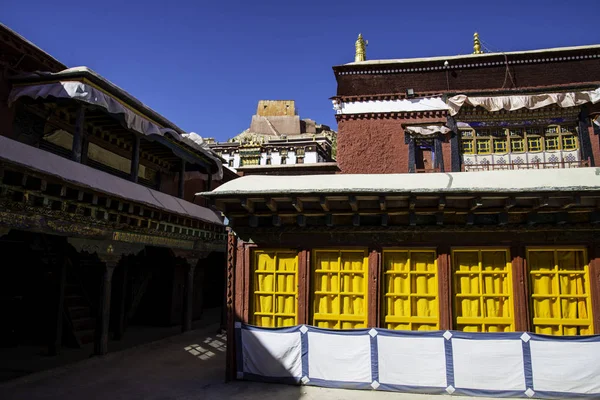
(340, 289)
(275, 288)
(499, 145)
(560, 292)
(516, 145)
(483, 146)
(483, 290)
(534, 144)
(551, 142)
(467, 146)
(411, 290)
(569, 142)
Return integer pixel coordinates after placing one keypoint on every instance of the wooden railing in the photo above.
(537, 165)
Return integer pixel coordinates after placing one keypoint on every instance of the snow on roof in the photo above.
(478, 56)
(514, 181)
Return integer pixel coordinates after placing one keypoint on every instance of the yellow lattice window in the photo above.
(517, 145)
(534, 143)
(499, 145)
(467, 146)
(569, 142)
(560, 292)
(483, 146)
(483, 290)
(411, 290)
(275, 288)
(340, 289)
(552, 143)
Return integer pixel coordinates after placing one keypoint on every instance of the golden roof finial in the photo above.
(476, 44)
(361, 49)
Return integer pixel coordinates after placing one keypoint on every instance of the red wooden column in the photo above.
(373, 297)
(444, 268)
(303, 287)
(594, 268)
(520, 284)
(230, 269)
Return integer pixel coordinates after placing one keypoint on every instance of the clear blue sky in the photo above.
(205, 64)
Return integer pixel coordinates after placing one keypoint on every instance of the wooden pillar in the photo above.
(520, 284)
(188, 299)
(103, 317)
(135, 159)
(84, 150)
(78, 135)
(230, 368)
(374, 272)
(59, 282)
(594, 268)
(121, 317)
(444, 267)
(181, 191)
(209, 182)
(303, 287)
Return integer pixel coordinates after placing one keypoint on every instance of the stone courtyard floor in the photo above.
(188, 366)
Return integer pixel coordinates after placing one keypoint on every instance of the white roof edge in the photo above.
(513, 181)
(463, 56)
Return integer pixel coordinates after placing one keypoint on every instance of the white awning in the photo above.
(427, 130)
(81, 91)
(531, 102)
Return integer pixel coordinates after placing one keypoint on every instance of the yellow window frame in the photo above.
(551, 143)
(569, 142)
(467, 145)
(544, 324)
(534, 144)
(401, 297)
(331, 307)
(485, 147)
(517, 145)
(500, 145)
(271, 284)
(480, 302)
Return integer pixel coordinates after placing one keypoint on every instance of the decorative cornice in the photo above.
(463, 65)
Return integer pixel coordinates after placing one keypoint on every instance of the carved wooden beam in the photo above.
(297, 204)
(382, 203)
(541, 202)
(353, 203)
(248, 205)
(412, 202)
(272, 205)
(324, 203)
(574, 201)
(476, 203)
(441, 203)
(510, 203)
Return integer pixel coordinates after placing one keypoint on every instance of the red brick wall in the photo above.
(376, 146)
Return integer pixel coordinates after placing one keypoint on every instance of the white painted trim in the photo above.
(386, 106)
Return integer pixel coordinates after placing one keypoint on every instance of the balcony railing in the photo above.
(535, 165)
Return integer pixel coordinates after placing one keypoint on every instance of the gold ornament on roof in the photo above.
(476, 44)
(361, 49)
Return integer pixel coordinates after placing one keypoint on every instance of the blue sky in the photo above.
(205, 64)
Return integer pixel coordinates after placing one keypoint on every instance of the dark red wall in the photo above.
(376, 145)
(482, 78)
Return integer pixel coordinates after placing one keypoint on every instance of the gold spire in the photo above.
(476, 44)
(361, 49)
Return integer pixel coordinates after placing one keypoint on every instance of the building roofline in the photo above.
(32, 45)
(97, 79)
(481, 57)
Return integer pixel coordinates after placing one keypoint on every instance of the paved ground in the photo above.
(184, 367)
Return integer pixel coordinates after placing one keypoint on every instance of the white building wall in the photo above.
(310, 157)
